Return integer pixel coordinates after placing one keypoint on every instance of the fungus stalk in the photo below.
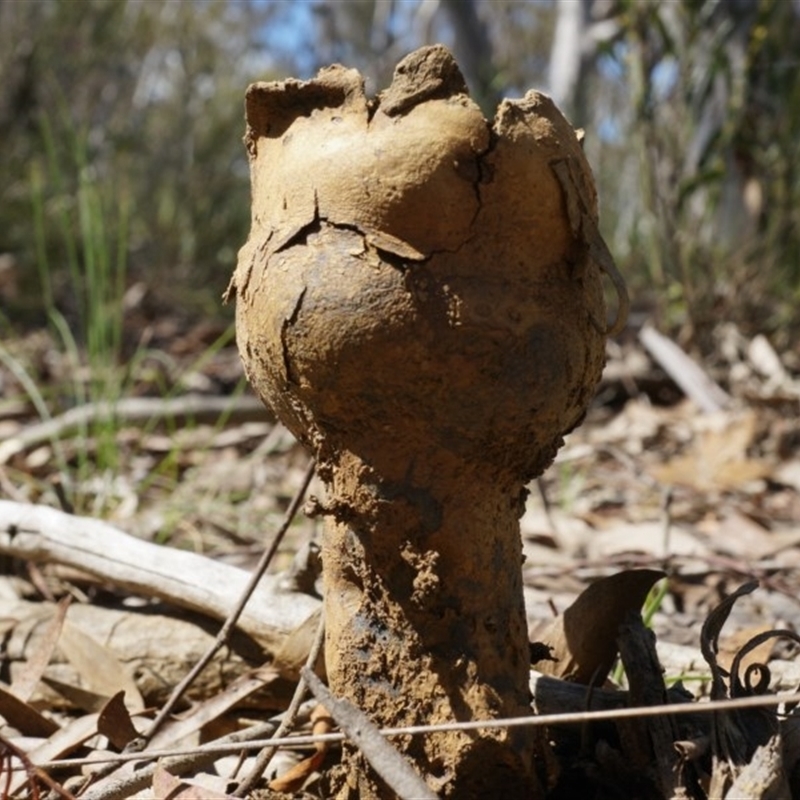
(420, 302)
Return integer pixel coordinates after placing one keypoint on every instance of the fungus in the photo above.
(420, 302)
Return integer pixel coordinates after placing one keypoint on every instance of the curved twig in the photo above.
(583, 224)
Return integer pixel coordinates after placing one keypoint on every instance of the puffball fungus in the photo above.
(420, 303)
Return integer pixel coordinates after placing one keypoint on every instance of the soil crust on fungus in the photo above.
(420, 302)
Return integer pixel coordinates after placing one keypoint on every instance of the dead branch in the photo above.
(187, 580)
(686, 372)
(200, 408)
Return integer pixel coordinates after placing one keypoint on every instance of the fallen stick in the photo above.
(686, 372)
(188, 580)
(201, 408)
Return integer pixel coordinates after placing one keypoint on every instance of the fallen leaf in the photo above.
(103, 672)
(582, 641)
(175, 730)
(293, 780)
(167, 787)
(36, 663)
(25, 718)
(645, 537)
(77, 696)
(114, 722)
(742, 537)
(718, 457)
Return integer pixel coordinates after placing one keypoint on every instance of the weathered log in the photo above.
(187, 580)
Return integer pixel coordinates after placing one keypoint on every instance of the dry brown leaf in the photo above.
(583, 640)
(114, 722)
(102, 671)
(718, 457)
(175, 730)
(25, 683)
(76, 696)
(293, 779)
(645, 537)
(26, 719)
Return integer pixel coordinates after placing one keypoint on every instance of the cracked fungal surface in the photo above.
(420, 302)
(414, 210)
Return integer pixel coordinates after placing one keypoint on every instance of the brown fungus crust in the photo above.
(417, 272)
(420, 302)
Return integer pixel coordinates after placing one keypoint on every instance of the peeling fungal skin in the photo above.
(413, 269)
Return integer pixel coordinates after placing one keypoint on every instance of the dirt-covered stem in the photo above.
(423, 589)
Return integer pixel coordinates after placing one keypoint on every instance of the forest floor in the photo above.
(693, 471)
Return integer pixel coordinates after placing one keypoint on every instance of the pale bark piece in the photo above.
(763, 777)
(687, 373)
(766, 361)
(185, 579)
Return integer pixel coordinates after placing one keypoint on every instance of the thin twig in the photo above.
(388, 762)
(265, 756)
(132, 409)
(139, 744)
(222, 748)
(233, 617)
(179, 763)
(34, 773)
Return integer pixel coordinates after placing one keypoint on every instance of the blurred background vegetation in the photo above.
(125, 189)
